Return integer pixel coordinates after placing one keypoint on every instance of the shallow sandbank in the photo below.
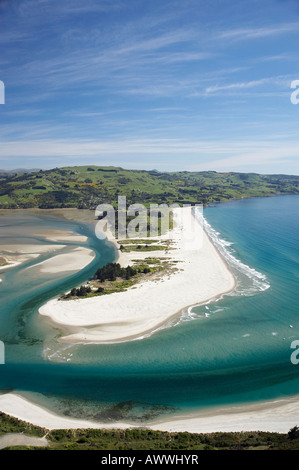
(74, 260)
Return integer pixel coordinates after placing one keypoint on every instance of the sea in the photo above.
(235, 349)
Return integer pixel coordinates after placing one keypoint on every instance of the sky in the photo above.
(150, 84)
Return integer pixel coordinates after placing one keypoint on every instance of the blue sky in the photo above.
(165, 84)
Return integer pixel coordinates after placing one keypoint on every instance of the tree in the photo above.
(293, 433)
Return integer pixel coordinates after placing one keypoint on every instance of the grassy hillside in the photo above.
(88, 186)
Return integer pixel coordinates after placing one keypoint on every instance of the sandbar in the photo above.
(201, 275)
(14, 255)
(74, 260)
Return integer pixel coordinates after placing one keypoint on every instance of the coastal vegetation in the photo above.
(113, 270)
(146, 439)
(85, 187)
(114, 278)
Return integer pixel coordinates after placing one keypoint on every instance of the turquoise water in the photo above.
(234, 349)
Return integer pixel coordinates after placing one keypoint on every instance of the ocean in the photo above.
(235, 349)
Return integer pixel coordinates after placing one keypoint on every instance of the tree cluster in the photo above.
(110, 272)
(81, 291)
(113, 270)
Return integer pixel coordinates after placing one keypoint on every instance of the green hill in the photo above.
(88, 186)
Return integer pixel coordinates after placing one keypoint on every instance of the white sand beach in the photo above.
(201, 275)
(272, 416)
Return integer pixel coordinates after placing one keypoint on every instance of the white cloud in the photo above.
(255, 33)
(186, 155)
(237, 86)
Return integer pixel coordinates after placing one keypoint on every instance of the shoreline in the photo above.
(201, 275)
(277, 415)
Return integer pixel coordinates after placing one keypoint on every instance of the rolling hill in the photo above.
(88, 186)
